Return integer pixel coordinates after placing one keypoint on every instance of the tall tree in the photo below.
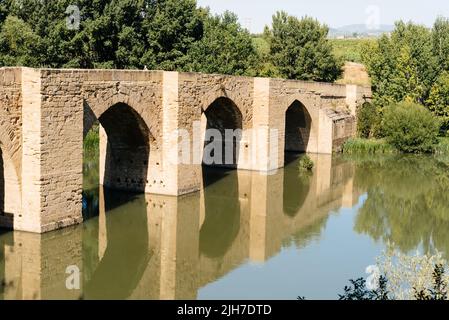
(401, 65)
(440, 42)
(19, 45)
(301, 50)
(438, 101)
(226, 47)
(171, 28)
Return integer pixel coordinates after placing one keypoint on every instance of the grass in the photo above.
(368, 146)
(379, 146)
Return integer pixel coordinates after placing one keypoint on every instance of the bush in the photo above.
(368, 120)
(306, 163)
(410, 127)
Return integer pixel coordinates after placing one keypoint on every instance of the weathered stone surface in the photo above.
(46, 113)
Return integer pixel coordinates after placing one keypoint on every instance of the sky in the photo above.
(255, 14)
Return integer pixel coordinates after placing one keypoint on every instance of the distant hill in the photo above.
(359, 30)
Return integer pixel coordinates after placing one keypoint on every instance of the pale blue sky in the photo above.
(255, 14)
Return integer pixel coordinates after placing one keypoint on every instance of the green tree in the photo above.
(226, 47)
(368, 120)
(172, 27)
(438, 101)
(402, 66)
(300, 49)
(19, 45)
(112, 33)
(440, 42)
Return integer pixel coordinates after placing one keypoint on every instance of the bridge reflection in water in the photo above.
(157, 247)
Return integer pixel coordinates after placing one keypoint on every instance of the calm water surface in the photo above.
(244, 236)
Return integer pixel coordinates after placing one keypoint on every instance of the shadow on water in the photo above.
(222, 211)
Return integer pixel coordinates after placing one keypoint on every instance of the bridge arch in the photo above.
(301, 126)
(125, 144)
(223, 133)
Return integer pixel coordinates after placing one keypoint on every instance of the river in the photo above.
(243, 236)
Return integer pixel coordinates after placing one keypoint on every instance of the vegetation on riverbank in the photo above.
(368, 146)
(410, 81)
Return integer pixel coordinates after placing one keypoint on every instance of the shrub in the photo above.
(306, 163)
(368, 120)
(410, 127)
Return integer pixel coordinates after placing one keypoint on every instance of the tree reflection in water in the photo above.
(407, 201)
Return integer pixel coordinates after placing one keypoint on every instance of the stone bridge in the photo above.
(46, 113)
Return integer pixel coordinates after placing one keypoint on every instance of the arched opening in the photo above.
(127, 148)
(116, 153)
(223, 134)
(298, 123)
(10, 195)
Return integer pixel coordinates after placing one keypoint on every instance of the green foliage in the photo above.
(226, 47)
(443, 146)
(300, 49)
(349, 49)
(264, 67)
(440, 42)
(412, 65)
(92, 140)
(18, 43)
(171, 29)
(368, 120)
(439, 290)
(367, 146)
(410, 128)
(358, 290)
(164, 35)
(306, 164)
(112, 33)
(402, 66)
(438, 101)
